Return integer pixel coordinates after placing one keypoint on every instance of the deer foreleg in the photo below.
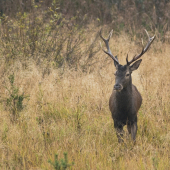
(133, 130)
(119, 131)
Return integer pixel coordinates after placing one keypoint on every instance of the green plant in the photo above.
(14, 101)
(61, 164)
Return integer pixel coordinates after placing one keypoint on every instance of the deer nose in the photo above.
(117, 87)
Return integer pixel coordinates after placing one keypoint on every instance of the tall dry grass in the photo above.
(69, 112)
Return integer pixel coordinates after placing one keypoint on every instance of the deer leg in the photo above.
(134, 131)
(119, 131)
(129, 128)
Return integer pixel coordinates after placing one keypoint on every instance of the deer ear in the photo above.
(135, 65)
(115, 63)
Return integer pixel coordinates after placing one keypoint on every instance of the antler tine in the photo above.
(150, 40)
(108, 52)
(127, 59)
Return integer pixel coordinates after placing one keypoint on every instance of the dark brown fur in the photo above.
(125, 101)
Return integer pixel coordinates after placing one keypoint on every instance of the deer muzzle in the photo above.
(118, 87)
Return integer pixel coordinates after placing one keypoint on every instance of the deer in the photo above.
(125, 100)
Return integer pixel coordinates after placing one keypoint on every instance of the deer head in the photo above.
(123, 72)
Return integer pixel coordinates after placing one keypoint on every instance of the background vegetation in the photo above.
(56, 82)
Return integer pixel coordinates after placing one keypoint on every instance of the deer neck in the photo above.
(124, 97)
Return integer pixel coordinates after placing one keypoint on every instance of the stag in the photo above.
(125, 99)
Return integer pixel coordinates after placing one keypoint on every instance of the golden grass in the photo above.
(70, 113)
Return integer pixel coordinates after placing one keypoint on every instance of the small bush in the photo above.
(14, 101)
(61, 164)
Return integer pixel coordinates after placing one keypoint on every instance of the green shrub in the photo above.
(14, 101)
(61, 164)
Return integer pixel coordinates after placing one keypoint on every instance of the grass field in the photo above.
(69, 113)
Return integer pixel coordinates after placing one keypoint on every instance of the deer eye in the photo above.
(127, 74)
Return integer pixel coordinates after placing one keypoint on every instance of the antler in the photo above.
(108, 52)
(143, 50)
